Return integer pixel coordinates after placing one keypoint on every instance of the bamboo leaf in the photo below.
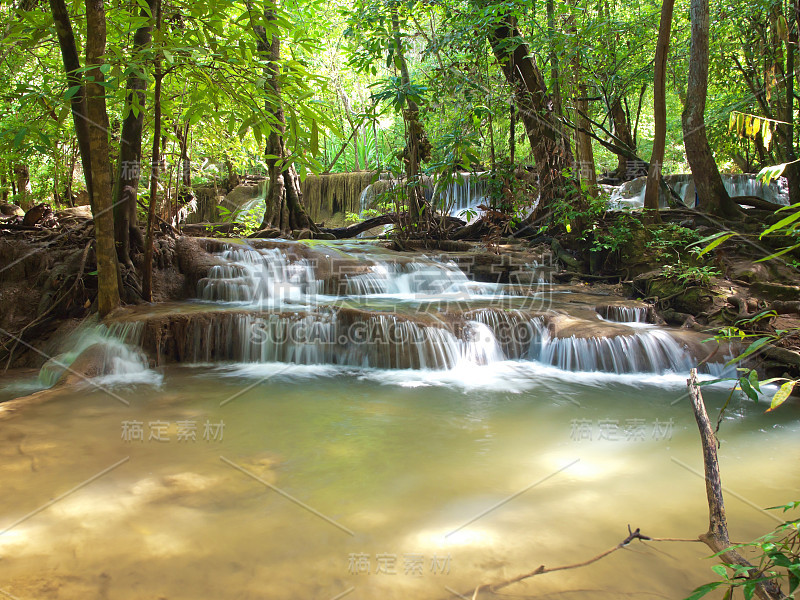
(752, 348)
(721, 239)
(781, 224)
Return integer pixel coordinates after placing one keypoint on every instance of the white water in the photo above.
(630, 195)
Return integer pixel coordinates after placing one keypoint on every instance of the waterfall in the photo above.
(631, 194)
(258, 276)
(122, 360)
(464, 193)
(291, 303)
(625, 314)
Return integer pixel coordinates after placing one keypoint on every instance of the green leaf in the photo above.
(720, 570)
(749, 589)
(748, 390)
(781, 224)
(314, 137)
(753, 380)
(781, 395)
(767, 174)
(703, 590)
(19, 137)
(722, 237)
(754, 347)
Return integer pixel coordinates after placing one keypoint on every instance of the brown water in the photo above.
(395, 472)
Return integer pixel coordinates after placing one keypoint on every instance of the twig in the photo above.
(632, 535)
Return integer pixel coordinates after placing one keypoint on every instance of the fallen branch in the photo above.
(716, 537)
(353, 230)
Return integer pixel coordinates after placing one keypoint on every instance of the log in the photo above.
(756, 202)
(351, 231)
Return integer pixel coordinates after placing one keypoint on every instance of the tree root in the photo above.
(43, 317)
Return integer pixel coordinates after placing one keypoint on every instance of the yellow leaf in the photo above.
(781, 395)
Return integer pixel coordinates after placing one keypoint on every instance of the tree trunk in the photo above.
(555, 75)
(583, 142)
(622, 131)
(512, 134)
(792, 171)
(660, 112)
(184, 180)
(712, 195)
(72, 65)
(107, 275)
(417, 144)
(284, 202)
(126, 185)
(550, 150)
(23, 179)
(588, 170)
(155, 163)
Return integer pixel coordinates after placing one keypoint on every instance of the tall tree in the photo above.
(284, 201)
(126, 184)
(552, 154)
(91, 127)
(712, 195)
(659, 111)
(417, 146)
(72, 66)
(155, 164)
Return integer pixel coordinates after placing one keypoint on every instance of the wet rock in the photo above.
(787, 357)
(673, 317)
(77, 213)
(775, 291)
(749, 272)
(324, 236)
(11, 210)
(92, 362)
(268, 233)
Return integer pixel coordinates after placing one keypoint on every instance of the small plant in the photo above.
(700, 275)
(671, 235)
(250, 221)
(777, 558)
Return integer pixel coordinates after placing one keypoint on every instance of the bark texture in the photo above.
(659, 110)
(551, 150)
(284, 201)
(126, 227)
(711, 193)
(107, 275)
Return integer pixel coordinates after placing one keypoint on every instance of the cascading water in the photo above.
(631, 194)
(624, 314)
(392, 396)
(292, 304)
(123, 361)
(270, 305)
(463, 194)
